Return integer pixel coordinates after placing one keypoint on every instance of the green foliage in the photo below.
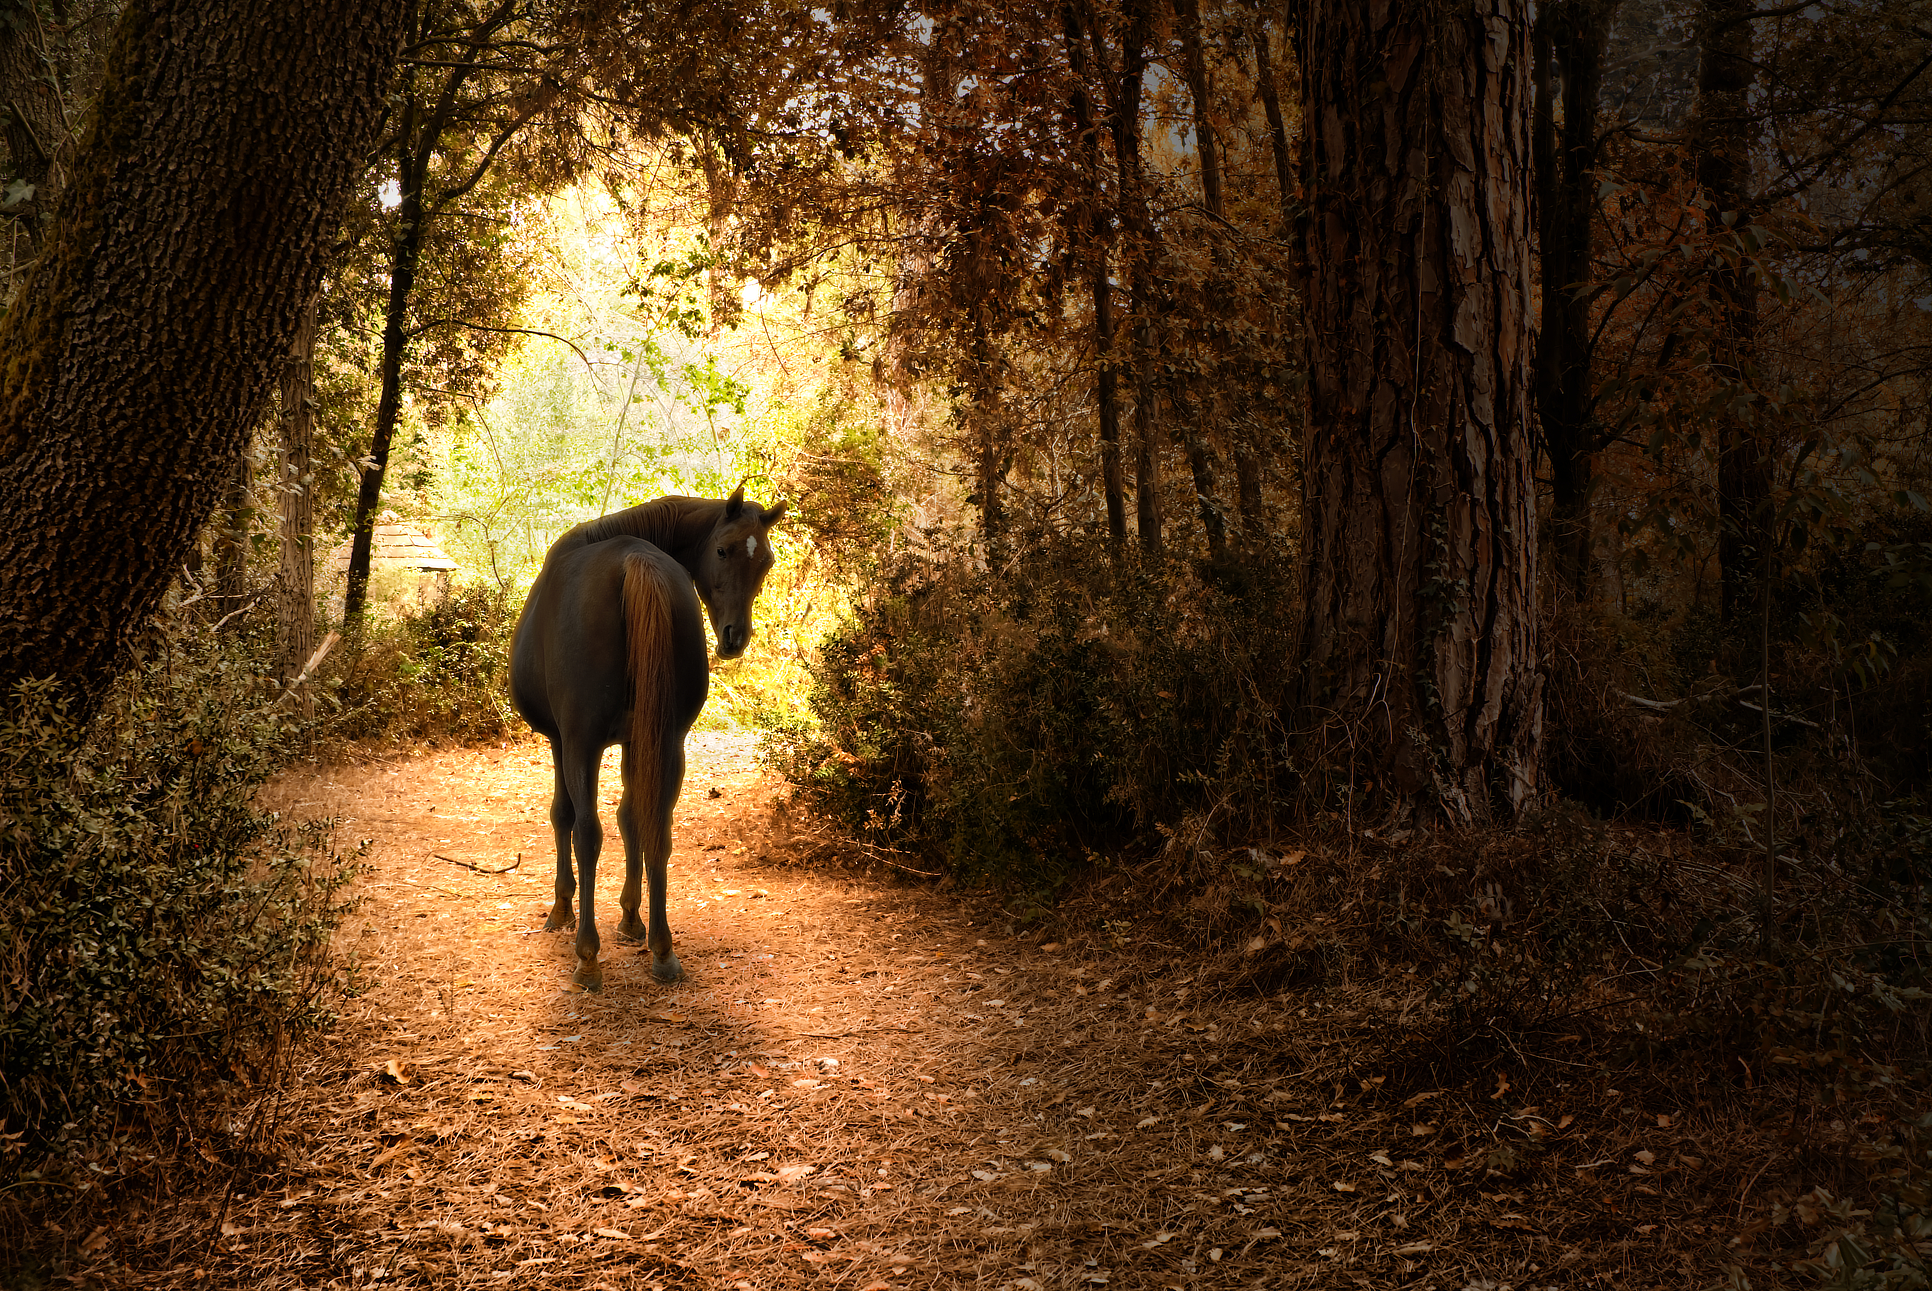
(158, 929)
(439, 674)
(1010, 725)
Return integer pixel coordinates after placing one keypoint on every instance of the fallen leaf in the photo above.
(1420, 1098)
(1342, 1186)
(392, 1071)
(617, 1234)
(1158, 1239)
(96, 1242)
(1414, 1248)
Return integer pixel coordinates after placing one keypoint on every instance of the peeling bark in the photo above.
(1420, 634)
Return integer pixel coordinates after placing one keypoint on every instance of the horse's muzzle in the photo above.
(732, 640)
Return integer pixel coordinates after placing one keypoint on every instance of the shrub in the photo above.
(1008, 725)
(158, 930)
(441, 674)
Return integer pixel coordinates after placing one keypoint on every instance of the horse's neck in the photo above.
(674, 525)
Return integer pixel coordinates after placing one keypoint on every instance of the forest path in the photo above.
(859, 1085)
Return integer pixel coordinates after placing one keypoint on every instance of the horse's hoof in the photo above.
(631, 929)
(667, 970)
(589, 975)
(561, 916)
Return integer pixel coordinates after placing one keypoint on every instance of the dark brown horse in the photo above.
(610, 650)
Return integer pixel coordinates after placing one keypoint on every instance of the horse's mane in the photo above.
(670, 524)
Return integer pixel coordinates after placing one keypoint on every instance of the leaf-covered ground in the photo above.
(869, 1084)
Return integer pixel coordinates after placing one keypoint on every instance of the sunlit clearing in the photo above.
(629, 389)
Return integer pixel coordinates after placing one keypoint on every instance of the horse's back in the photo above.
(569, 660)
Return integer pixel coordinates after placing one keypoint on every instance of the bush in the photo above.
(157, 929)
(1007, 726)
(442, 674)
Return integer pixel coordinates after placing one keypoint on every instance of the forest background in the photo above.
(1024, 308)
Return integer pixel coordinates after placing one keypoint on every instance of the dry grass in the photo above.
(869, 1085)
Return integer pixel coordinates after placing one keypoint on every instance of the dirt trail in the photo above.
(860, 1085)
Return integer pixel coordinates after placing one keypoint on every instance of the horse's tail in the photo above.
(647, 628)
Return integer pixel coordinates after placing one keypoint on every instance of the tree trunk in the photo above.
(1277, 128)
(295, 638)
(1207, 147)
(395, 345)
(1124, 110)
(1571, 38)
(231, 541)
(987, 421)
(1418, 492)
(191, 233)
(1723, 134)
(1200, 457)
(1106, 390)
(32, 123)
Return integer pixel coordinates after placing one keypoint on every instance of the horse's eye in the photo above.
(722, 553)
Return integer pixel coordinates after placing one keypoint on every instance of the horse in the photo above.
(610, 650)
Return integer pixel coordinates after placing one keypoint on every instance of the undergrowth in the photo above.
(440, 674)
(161, 936)
(1008, 727)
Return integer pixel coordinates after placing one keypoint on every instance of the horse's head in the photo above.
(732, 568)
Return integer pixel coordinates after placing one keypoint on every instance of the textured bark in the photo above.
(295, 635)
(191, 234)
(1571, 38)
(1420, 635)
(1723, 133)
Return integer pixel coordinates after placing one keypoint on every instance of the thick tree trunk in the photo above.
(1106, 378)
(395, 345)
(295, 638)
(1571, 38)
(191, 233)
(1723, 134)
(1419, 524)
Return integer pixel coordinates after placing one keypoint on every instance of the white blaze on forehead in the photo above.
(751, 546)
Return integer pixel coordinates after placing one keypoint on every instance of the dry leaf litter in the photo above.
(860, 1085)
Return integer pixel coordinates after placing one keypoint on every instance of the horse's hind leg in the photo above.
(563, 818)
(657, 854)
(577, 775)
(630, 927)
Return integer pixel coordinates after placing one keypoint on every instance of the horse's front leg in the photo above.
(563, 818)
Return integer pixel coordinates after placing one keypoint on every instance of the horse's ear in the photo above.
(773, 516)
(736, 502)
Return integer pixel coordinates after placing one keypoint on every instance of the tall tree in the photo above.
(1571, 37)
(1419, 506)
(1723, 135)
(295, 635)
(477, 77)
(193, 230)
